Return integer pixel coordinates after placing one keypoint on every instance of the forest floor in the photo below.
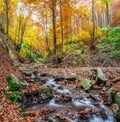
(12, 113)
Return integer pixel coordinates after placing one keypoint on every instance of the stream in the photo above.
(72, 105)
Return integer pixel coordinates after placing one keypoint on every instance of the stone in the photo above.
(14, 83)
(27, 73)
(38, 120)
(59, 78)
(100, 78)
(117, 114)
(45, 93)
(72, 77)
(116, 80)
(114, 108)
(111, 95)
(87, 84)
(117, 99)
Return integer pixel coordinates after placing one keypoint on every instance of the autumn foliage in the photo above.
(41, 27)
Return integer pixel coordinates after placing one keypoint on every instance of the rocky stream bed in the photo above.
(65, 98)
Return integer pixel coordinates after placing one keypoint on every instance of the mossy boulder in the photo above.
(117, 99)
(100, 78)
(111, 95)
(87, 84)
(14, 83)
(45, 93)
(117, 114)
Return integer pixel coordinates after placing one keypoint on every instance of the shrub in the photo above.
(14, 97)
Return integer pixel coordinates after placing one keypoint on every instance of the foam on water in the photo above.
(53, 104)
(97, 119)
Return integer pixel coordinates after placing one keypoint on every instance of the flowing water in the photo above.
(75, 106)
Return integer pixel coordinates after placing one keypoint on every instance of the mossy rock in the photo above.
(111, 95)
(100, 78)
(14, 83)
(117, 115)
(117, 99)
(112, 90)
(11, 54)
(87, 84)
(45, 93)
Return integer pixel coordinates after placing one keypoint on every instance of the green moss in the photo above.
(14, 84)
(112, 90)
(45, 91)
(118, 114)
(87, 84)
(15, 87)
(117, 99)
(14, 97)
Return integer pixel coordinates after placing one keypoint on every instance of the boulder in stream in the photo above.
(117, 99)
(14, 83)
(111, 95)
(45, 94)
(117, 114)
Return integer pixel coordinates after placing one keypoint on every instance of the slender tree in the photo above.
(7, 23)
(93, 30)
(62, 31)
(46, 27)
(54, 29)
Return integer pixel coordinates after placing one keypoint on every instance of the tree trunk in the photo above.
(7, 25)
(22, 32)
(62, 32)
(19, 34)
(54, 30)
(46, 31)
(107, 14)
(71, 34)
(93, 31)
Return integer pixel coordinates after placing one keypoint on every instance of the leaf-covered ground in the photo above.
(12, 113)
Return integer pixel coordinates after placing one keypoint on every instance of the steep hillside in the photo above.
(8, 111)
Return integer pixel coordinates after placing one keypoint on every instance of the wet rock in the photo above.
(14, 83)
(59, 73)
(117, 114)
(117, 99)
(31, 93)
(38, 120)
(43, 80)
(116, 80)
(30, 98)
(114, 108)
(94, 97)
(27, 73)
(44, 75)
(63, 99)
(72, 77)
(109, 100)
(59, 78)
(103, 113)
(45, 93)
(101, 78)
(96, 87)
(111, 95)
(87, 84)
